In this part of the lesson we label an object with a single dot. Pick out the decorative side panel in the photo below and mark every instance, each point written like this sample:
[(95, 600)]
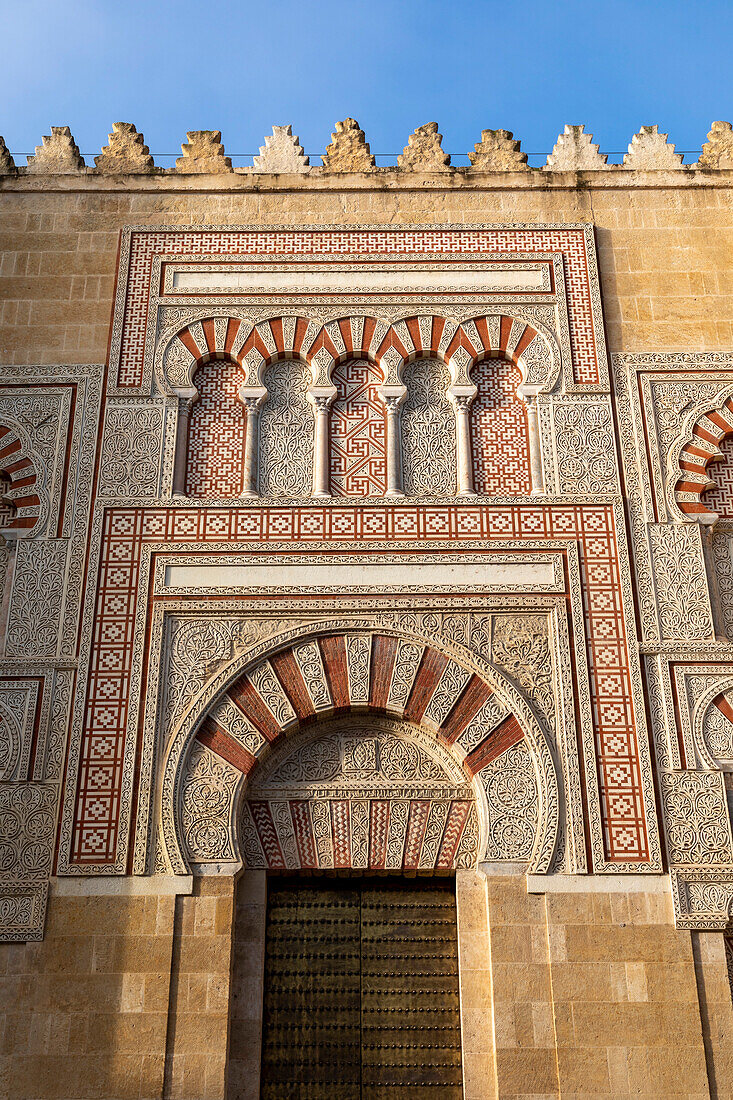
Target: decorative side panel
[(428, 431), (36, 601), (697, 819), (585, 451), (680, 582), (131, 451), (357, 431), (286, 433)]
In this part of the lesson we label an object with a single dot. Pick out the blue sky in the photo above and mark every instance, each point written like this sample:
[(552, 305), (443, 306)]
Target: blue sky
[(527, 66)]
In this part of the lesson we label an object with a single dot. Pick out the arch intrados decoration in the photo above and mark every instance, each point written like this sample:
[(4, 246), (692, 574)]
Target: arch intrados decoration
[(477, 682), (698, 452), (323, 346), (20, 465)]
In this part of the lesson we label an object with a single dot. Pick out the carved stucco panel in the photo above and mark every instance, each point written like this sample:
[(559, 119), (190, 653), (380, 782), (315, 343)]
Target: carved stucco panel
[(680, 582), (585, 452), (34, 619), (511, 796), (697, 819), (131, 451), (286, 433), (428, 431)]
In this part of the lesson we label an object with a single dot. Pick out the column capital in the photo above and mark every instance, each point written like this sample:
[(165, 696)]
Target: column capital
[(528, 392), (462, 397), (321, 397), (392, 396), (252, 397)]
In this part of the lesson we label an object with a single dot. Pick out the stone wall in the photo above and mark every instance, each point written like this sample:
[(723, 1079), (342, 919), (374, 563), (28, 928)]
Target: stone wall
[(664, 245), (575, 987), (86, 1010), (575, 992)]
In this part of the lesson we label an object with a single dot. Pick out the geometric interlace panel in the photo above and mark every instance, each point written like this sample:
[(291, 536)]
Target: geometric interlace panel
[(361, 991)]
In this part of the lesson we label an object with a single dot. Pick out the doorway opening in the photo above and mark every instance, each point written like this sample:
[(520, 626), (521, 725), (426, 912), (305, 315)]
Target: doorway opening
[(361, 993)]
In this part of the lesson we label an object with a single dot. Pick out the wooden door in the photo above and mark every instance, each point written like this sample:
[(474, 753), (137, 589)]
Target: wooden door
[(361, 991)]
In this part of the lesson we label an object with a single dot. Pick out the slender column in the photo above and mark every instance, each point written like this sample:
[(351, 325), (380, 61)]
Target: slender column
[(528, 394), (464, 458), (535, 451), (252, 398), (180, 459), (392, 397), (393, 448), (707, 531), (321, 400)]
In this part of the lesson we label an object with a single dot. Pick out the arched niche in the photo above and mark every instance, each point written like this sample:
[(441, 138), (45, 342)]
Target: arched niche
[(428, 430), (216, 432), (357, 435), (286, 431)]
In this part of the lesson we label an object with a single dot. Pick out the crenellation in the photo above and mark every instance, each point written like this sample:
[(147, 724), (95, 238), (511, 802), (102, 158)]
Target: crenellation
[(498, 151), (126, 153), (574, 151), (424, 150), (717, 152), (349, 150), (7, 164), (203, 152), (282, 152), (650, 150), (59, 154)]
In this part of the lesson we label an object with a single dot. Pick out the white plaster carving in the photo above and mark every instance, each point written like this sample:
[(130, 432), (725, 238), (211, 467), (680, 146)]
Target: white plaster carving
[(511, 796), (428, 431), (286, 433)]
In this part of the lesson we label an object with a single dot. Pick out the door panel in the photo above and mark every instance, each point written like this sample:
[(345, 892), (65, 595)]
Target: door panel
[(311, 1043), (361, 991), (411, 1033)]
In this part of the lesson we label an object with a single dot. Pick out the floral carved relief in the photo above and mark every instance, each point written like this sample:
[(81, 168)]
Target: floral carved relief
[(511, 796), (286, 433), (428, 431)]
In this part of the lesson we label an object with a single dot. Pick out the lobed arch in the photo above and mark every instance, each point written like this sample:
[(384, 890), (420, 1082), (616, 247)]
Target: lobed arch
[(696, 458), (22, 494), (322, 346), (342, 668), (712, 723)]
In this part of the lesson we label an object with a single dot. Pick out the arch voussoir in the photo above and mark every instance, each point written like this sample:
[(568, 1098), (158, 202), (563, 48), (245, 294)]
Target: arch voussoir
[(463, 714)]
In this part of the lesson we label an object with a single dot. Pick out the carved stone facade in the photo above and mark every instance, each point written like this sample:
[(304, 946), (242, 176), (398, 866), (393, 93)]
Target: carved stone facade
[(358, 556)]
